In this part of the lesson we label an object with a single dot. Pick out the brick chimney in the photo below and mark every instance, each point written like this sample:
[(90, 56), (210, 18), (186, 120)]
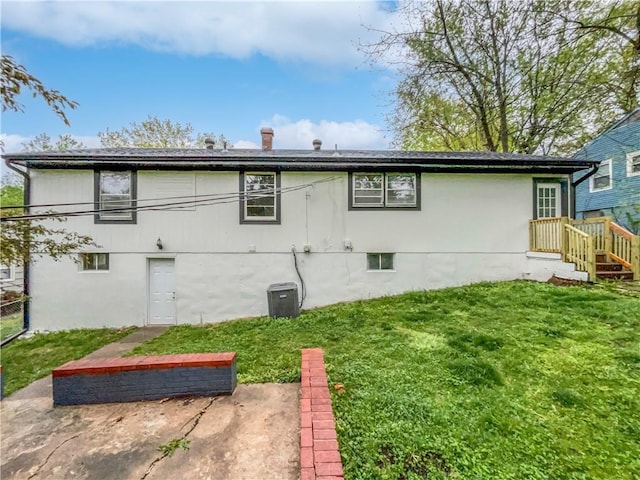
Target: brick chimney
[(267, 138)]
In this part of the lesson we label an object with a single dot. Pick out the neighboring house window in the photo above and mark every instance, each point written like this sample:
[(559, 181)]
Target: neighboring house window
[(384, 190), (602, 178), (633, 164), (115, 196), (379, 261), (6, 273), (94, 261), (592, 214), (260, 197)]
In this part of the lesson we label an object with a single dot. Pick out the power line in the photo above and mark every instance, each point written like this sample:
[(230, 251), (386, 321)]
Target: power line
[(227, 198), (43, 205)]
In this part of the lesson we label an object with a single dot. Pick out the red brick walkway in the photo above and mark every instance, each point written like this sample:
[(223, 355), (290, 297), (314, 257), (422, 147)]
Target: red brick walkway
[(319, 452)]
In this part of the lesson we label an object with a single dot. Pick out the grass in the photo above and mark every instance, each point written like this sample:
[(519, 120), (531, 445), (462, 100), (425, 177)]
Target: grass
[(491, 381), (10, 325), (25, 360)]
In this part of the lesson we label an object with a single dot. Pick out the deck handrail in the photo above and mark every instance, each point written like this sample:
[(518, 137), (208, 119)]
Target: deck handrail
[(625, 249), (599, 228), (608, 238), (579, 248)]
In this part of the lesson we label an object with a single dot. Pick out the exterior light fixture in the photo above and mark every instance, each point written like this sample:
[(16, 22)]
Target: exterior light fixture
[(159, 244)]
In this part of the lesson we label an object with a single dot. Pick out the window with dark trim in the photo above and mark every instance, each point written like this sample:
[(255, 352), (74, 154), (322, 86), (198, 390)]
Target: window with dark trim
[(379, 261), (373, 191), (260, 197), (545, 199), (115, 196), (94, 262)]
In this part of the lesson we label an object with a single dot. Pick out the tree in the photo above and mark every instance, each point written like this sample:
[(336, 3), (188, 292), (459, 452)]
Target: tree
[(22, 240), (618, 24), (43, 142), (156, 133), (11, 194), (495, 75), (15, 78), (25, 240)]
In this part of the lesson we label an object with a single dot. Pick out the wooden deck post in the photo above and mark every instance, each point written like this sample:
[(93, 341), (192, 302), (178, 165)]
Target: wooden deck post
[(564, 237), (606, 232), (591, 258), (635, 256)]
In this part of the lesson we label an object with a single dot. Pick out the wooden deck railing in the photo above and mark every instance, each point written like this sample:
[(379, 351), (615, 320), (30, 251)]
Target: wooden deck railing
[(559, 235), (579, 248), (599, 229), (625, 249), (545, 234)]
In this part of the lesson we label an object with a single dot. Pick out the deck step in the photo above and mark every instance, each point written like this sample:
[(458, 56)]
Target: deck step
[(609, 275), (608, 267)]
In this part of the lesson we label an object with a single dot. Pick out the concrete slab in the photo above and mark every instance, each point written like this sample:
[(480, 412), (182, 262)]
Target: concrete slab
[(253, 434)]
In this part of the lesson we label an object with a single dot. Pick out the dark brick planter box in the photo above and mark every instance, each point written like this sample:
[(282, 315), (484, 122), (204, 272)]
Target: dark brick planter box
[(112, 380)]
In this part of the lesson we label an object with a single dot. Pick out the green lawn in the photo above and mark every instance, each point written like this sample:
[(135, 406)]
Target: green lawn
[(10, 325), (492, 381), (25, 360)]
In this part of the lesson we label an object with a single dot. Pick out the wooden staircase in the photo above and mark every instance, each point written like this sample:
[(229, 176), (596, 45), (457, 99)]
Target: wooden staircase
[(597, 246), (611, 270)]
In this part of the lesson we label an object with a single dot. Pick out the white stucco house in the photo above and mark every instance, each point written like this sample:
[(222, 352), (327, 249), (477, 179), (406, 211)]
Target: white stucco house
[(190, 236)]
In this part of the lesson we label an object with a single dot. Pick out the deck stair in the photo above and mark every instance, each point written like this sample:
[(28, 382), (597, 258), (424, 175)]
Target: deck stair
[(597, 246), (611, 270)]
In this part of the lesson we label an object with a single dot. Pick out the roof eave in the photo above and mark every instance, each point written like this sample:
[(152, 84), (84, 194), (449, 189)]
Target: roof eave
[(500, 166)]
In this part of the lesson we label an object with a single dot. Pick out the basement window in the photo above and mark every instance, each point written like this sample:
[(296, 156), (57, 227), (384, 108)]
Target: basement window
[(602, 178), (94, 262), (384, 190), (379, 261), (260, 197)]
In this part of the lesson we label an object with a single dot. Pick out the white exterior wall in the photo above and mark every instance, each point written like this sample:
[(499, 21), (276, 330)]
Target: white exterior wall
[(470, 228)]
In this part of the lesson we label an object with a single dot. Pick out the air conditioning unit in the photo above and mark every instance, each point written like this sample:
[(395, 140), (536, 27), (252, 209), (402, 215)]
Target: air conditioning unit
[(283, 300)]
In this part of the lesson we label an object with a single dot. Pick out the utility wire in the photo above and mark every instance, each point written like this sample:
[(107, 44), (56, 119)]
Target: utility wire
[(42, 205), (228, 198)]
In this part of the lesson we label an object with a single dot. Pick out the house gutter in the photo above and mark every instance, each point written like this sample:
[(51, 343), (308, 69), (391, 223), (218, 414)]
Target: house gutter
[(26, 197), (586, 176)]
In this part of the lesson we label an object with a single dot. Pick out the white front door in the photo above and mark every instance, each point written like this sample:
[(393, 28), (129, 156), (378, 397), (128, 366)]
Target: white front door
[(548, 196), (162, 291)]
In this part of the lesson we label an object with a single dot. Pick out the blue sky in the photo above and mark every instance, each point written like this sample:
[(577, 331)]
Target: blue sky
[(226, 67)]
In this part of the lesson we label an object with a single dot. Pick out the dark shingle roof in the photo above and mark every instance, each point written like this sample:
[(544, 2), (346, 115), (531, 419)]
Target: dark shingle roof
[(238, 159)]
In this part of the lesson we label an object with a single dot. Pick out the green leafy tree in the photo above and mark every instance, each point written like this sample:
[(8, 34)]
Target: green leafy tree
[(616, 23), (495, 75), (43, 143), (156, 133), (15, 79), (23, 240), (11, 195)]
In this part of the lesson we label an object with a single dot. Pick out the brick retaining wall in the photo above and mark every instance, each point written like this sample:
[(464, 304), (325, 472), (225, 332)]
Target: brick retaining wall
[(131, 379), (319, 451)]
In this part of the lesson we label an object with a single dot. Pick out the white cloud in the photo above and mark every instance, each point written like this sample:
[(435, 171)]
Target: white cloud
[(245, 144), (356, 134), (314, 31), (13, 143)]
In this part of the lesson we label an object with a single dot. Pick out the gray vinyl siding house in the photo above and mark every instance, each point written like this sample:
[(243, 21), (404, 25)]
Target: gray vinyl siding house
[(615, 189)]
